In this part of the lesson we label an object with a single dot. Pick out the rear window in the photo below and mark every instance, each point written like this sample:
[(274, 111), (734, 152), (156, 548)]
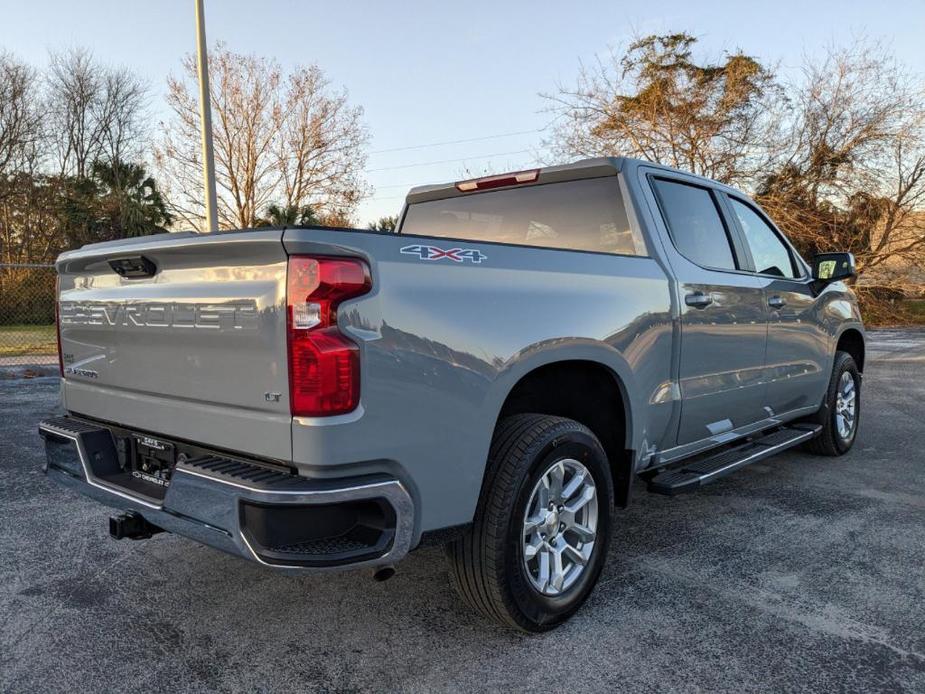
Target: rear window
[(584, 215)]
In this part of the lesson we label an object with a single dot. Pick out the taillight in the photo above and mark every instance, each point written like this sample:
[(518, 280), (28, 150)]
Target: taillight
[(324, 364), (58, 325)]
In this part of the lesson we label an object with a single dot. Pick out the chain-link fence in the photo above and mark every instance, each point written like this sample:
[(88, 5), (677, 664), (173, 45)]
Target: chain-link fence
[(27, 315)]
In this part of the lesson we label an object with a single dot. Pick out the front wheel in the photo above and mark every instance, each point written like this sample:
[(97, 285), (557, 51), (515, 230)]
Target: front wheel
[(542, 527), (841, 411)]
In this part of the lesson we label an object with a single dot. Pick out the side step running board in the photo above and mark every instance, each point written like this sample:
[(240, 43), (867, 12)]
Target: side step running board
[(699, 471)]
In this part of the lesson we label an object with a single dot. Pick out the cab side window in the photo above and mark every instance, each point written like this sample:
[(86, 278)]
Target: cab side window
[(694, 223), (770, 254)]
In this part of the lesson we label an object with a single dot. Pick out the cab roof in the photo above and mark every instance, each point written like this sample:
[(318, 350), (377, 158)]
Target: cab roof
[(584, 168)]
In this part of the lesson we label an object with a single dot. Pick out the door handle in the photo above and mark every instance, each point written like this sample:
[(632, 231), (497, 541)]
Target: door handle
[(698, 300), (777, 302)]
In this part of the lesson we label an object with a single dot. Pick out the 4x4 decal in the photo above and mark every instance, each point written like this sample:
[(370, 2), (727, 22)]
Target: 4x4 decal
[(457, 255)]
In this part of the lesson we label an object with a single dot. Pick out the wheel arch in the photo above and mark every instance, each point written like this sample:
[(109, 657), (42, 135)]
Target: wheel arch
[(593, 387), (851, 340)]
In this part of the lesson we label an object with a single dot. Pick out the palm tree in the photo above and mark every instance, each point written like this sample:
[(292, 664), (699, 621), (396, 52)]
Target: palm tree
[(136, 206), (384, 223), (117, 200), (288, 215)]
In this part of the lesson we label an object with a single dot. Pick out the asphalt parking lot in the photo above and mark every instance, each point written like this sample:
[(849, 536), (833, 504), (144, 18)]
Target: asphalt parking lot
[(801, 573)]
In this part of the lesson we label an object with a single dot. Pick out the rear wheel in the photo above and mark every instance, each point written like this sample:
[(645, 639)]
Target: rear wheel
[(841, 411), (542, 527)]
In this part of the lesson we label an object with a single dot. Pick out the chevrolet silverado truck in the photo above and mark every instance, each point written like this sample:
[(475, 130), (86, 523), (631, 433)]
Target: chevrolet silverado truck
[(492, 376)]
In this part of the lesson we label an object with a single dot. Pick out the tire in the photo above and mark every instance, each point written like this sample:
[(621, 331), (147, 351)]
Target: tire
[(831, 440), (490, 566)]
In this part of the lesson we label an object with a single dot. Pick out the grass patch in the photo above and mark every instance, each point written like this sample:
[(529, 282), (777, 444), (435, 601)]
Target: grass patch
[(28, 340)]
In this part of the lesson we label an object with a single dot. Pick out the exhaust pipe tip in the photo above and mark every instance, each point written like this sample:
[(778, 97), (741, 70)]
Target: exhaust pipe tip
[(383, 573)]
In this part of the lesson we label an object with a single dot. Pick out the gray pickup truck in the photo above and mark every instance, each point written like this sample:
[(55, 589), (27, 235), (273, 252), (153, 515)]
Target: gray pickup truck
[(492, 376)]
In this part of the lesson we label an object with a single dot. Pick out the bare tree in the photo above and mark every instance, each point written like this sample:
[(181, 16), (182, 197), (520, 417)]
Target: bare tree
[(852, 174), (96, 112), (837, 156), (70, 145), (283, 140), (23, 203), (20, 116), (320, 151), (654, 101)]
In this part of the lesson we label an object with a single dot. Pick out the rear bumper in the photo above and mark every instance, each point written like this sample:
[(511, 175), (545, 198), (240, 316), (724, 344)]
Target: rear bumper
[(277, 519)]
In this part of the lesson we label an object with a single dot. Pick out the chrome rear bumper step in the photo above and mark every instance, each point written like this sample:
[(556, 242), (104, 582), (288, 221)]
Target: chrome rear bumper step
[(282, 520), (695, 473)]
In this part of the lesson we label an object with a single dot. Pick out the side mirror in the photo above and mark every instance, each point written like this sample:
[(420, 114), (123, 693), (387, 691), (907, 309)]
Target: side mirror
[(832, 267)]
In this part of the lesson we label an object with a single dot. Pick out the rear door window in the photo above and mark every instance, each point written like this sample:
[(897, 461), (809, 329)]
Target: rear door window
[(584, 215), (694, 223)]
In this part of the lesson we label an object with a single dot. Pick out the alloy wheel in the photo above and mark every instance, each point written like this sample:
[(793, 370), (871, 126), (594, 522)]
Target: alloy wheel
[(846, 406), (560, 527)]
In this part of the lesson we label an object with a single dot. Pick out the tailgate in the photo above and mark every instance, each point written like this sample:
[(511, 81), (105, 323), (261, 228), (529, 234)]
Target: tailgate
[(196, 351)]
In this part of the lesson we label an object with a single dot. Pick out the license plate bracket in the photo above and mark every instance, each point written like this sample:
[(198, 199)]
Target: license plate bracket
[(154, 459)]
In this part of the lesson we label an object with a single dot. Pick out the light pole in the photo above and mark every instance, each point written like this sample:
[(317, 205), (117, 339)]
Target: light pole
[(205, 120)]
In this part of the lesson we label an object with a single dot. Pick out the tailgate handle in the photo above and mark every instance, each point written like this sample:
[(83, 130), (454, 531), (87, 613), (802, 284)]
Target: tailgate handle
[(133, 267)]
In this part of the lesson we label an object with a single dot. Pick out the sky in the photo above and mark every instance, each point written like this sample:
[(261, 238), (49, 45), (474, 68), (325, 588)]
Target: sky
[(439, 72)]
